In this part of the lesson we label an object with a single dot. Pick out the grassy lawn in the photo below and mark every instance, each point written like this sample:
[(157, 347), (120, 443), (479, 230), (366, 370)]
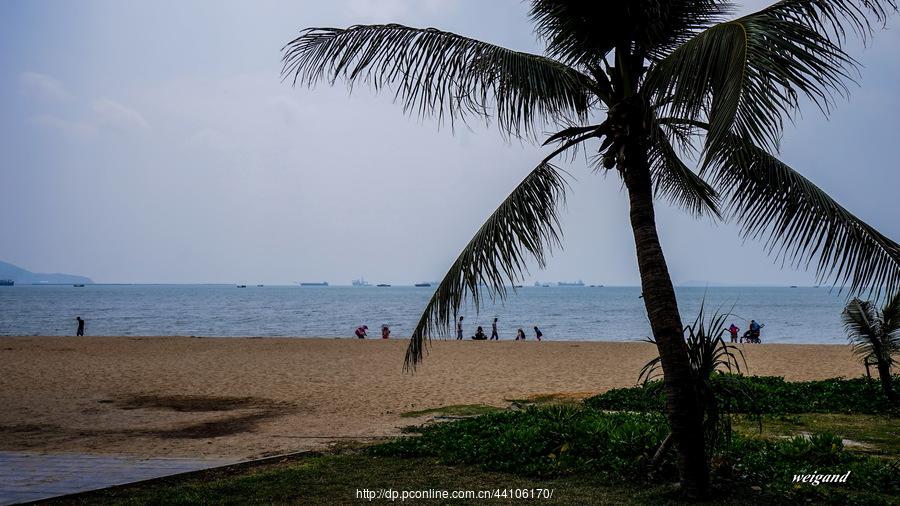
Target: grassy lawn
[(878, 434), (334, 479)]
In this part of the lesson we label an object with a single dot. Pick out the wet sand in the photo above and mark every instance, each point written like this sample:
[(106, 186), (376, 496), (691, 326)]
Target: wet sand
[(246, 397)]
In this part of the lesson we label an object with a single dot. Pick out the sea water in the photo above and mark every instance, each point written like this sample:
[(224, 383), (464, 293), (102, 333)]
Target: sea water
[(790, 315)]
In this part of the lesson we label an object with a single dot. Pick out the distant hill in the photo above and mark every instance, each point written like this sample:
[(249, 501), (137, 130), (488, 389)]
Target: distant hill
[(24, 277)]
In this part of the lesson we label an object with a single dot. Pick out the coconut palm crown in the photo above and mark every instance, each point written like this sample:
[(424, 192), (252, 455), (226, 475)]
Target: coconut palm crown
[(684, 101)]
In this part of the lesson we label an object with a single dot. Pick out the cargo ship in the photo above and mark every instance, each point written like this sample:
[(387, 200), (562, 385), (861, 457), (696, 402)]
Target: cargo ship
[(7, 282), (423, 285), (323, 283)]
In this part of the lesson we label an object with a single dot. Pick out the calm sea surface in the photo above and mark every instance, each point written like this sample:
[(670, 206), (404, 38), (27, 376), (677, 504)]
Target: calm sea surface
[(791, 315)]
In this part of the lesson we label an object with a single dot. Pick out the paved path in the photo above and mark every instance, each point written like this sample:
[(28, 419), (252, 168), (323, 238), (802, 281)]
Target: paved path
[(32, 476)]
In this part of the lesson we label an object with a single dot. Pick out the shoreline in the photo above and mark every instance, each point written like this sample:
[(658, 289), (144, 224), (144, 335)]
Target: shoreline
[(252, 397)]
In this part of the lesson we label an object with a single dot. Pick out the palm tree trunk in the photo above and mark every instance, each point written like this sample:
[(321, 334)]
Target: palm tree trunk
[(884, 373), (683, 405)]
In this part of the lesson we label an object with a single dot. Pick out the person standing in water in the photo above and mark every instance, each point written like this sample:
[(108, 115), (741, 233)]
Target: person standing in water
[(361, 331), (494, 334), (538, 334), (80, 331), (520, 335), (459, 331)]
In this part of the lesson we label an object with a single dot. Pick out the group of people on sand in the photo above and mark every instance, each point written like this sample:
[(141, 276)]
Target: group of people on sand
[(481, 336), (362, 332), (750, 336)]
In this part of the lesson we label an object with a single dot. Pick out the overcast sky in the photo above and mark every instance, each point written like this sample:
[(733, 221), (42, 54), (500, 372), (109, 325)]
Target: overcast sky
[(155, 142)]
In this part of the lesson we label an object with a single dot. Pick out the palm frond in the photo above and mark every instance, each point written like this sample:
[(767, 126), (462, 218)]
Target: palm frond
[(767, 197), (863, 328), (833, 18), (525, 226), (745, 76), (675, 182), (441, 74), (890, 317), (579, 32)]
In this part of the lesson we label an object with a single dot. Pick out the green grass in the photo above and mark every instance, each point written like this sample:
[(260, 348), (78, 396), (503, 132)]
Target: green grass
[(454, 410), (583, 452), (334, 479), (880, 435)]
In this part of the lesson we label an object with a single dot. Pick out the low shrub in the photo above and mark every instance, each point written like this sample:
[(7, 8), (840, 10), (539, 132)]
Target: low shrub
[(542, 441), (764, 395), (557, 440), (773, 464)]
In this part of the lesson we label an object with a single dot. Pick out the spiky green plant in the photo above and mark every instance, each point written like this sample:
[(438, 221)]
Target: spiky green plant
[(709, 353), (666, 78), (875, 334)]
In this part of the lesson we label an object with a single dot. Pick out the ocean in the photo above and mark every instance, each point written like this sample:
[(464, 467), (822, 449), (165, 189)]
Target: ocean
[(790, 315)]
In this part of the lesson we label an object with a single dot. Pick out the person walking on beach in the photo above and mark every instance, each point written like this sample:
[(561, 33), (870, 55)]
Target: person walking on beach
[(494, 334), (361, 331), (80, 331), (538, 334), (459, 332), (520, 335), (733, 330)]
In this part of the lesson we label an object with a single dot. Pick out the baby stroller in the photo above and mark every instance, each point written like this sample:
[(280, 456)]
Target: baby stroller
[(752, 337)]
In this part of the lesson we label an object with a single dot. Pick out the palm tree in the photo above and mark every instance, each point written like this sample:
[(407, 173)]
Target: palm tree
[(671, 80), (875, 334)]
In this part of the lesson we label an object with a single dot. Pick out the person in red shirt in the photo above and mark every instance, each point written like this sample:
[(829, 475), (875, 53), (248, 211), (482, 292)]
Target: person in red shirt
[(361, 331), (733, 330)]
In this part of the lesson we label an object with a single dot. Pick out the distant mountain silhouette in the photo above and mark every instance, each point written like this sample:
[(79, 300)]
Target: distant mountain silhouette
[(22, 276)]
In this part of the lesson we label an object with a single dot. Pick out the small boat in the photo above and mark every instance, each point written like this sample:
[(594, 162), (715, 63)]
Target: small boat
[(793, 286), (260, 286), (7, 282), (517, 286), (323, 283), (423, 285), (79, 285), (383, 285), (242, 286)]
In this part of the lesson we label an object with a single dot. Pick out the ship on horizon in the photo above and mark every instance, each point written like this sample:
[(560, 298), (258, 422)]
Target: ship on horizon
[(314, 283), (360, 282), (565, 283), (7, 282)]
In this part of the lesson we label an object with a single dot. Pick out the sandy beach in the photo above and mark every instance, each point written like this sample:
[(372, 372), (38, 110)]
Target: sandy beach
[(246, 397)]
